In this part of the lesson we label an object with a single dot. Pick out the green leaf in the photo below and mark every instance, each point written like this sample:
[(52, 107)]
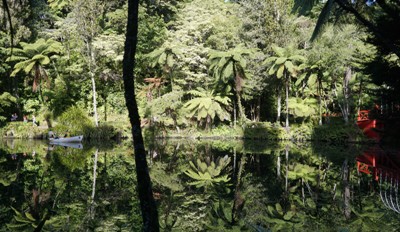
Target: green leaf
[(280, 71), (289, 66), (289, 215), (312, 79), (278, 208), (29, 67), (280, 60), (272, 70)]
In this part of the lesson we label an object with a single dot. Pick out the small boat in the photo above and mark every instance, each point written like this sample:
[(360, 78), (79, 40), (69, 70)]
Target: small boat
[(74, 139)]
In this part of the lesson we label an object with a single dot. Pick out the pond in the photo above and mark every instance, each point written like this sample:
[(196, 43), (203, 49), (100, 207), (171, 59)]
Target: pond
[(200, 185)]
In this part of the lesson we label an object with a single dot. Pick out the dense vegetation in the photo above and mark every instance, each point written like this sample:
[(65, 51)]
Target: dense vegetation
[(200, 64)]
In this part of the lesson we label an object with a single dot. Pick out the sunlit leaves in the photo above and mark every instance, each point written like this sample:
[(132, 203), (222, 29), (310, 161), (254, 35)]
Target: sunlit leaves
[(34, 57), (207, 105)]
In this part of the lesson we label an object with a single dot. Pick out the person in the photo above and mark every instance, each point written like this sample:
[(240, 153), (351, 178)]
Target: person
[(14, 117), (25, 119), (34, 120)]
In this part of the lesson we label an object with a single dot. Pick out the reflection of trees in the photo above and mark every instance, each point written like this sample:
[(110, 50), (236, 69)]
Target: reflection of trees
[(253, 197)]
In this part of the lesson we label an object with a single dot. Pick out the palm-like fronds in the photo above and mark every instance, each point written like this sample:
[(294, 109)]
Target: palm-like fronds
[(31, 58), (229, 66), (207, 105)]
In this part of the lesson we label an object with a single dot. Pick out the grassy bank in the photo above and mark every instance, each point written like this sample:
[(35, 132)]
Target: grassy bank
[(267, 131), (260, 131)]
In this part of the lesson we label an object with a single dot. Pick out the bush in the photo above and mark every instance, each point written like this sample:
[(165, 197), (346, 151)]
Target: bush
[(338, 133), (73, 121), (22, 130)]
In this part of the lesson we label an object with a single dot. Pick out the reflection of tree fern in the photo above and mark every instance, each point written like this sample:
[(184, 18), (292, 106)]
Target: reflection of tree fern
[(25, 221), (205, 175), (220, 218), (279, 219)]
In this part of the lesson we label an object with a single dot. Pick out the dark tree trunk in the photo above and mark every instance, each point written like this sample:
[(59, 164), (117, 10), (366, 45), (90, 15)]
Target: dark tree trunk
[(147, 203)]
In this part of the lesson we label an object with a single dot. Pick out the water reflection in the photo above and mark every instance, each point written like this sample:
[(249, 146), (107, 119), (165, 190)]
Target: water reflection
[(383, 166), (199, 186)]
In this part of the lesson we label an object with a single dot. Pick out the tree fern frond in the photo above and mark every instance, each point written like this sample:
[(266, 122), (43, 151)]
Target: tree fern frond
[(303, 6), (322, 19)]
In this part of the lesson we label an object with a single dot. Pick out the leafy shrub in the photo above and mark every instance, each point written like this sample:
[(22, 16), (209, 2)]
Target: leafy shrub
[(338, 133), (73, 121), (21, 130), (301, 132), (264, 130), (6, 103)]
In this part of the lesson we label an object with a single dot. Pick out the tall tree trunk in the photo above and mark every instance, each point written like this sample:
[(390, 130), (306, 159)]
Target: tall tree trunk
[(234, 115), (239, 102), (287, 102), (346, 189), (279, 106), (91, 70), (147, 203), (346, 95), (94, 184), (96, 120), (287, 167), (105, 109)]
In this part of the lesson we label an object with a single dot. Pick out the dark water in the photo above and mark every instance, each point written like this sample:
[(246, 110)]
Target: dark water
[(200, 186)]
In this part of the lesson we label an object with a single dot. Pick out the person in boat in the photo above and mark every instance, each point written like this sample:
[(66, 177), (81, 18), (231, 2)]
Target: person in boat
[(14, 117), (53, 135)]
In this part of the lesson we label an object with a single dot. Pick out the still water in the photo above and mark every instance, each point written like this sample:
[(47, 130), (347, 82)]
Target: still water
[(200, 185)]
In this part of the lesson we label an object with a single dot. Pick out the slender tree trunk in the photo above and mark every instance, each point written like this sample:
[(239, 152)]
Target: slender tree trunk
[(241, 111), (279, 106), (346, 189), (94, 184), (287, 102), (359, 96), (105, 109), (346, 95), (147, 203), (91, 70), (96, 120), (278, 167), (234, 115), (287, 167)]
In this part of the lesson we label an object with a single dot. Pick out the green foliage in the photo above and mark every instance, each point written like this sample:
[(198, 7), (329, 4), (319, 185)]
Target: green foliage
[(338, 133), (302, 132), (265, 130), (74, 121), (302, 107), (285, 60), (206, 106), (228, 67), (33, 57), (165, 109), (22, 130), (6, 103)]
